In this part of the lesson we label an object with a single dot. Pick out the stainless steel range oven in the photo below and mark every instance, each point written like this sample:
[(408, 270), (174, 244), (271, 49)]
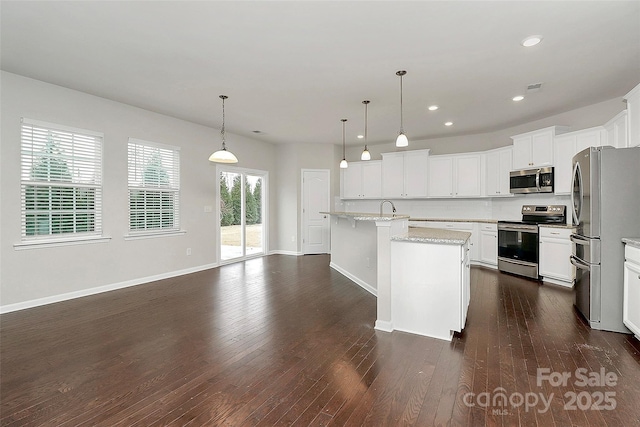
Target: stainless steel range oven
[(518, 240)]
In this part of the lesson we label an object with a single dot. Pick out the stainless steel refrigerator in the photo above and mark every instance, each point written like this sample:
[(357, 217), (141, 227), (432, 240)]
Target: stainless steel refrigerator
[(606, 207)]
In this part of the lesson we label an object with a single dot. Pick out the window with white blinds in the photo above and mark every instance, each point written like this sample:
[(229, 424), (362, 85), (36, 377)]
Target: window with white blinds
[(154, 187), (61, 181)]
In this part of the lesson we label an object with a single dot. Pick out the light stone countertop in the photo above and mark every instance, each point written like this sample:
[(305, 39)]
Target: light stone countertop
[(433, 235), (573, 227), (361, 216), (632, 241), (488, 221)]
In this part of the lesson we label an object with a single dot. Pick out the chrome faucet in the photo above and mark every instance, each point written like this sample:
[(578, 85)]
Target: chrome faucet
[(393, 207)]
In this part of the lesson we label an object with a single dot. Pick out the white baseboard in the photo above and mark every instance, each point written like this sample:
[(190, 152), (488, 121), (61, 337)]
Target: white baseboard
[(484, 264), (383, 325), (279, 252), (558, 282), (364, 285), (100, 289)]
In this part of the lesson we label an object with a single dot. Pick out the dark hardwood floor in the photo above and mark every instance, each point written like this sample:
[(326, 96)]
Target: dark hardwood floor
[(286, 340)]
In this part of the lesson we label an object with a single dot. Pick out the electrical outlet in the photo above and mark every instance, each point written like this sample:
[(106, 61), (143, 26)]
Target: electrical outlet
[(188, 251), (368, 262), (208, 208), (293, 238)]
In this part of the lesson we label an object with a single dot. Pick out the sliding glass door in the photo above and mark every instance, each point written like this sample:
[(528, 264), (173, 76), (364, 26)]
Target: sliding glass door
[(241, 213)]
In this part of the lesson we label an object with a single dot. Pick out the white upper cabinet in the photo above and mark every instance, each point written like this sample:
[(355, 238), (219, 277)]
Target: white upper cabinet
[(568, 145), (441, 176), (616, 129), (362, 180), (633, 116), (404, 174), (455, 175), (372, 179), (535, 149), (498, 166)]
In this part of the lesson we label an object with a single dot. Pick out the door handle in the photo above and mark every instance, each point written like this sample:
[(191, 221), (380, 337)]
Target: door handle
[(579, 263), (579, 240)]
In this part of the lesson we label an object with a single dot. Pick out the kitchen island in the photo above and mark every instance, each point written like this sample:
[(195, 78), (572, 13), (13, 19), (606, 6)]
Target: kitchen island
[(419, 276), (430, 282)]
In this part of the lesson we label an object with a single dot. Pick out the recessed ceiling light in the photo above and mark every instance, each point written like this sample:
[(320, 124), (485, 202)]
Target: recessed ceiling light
[(448, 123), (360, 136), (518, 98), (433, 108), (531, 41)]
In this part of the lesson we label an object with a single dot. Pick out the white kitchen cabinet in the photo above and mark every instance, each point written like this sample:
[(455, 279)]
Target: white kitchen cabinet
[(431, 288), (362, 180), (455, 175), (441, 176), (535, 149), (616, 130), (498, 166), (555, 250), (631, 299), (404, 174), (568, 145), (633, 116), (489, 244)]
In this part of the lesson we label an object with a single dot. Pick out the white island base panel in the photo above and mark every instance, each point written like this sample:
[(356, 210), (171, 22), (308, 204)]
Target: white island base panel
[(430, 288)]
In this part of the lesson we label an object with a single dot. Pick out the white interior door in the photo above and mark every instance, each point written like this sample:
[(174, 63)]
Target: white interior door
[(315, 199)]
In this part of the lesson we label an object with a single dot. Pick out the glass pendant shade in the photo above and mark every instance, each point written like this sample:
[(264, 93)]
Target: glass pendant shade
[(223, 155), (344, 164), (365, 154), (401, 140)]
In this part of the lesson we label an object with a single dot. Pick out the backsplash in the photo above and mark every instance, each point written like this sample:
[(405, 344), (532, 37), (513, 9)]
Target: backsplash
[(508, 208)]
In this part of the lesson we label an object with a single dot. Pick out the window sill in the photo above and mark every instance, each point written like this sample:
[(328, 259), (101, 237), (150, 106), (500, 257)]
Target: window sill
[(52, 243), (154, 234)]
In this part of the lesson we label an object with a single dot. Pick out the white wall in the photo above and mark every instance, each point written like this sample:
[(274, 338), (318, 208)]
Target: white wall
[(33, 274)]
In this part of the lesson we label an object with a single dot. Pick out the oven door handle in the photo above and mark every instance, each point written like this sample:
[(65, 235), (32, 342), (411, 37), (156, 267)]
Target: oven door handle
[(518, 228), (579, 240), (579, 263)]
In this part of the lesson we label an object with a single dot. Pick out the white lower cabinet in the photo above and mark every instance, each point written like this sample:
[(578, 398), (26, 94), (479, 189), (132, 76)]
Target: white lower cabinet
[(489, 244), (555, 250), (631, 300)]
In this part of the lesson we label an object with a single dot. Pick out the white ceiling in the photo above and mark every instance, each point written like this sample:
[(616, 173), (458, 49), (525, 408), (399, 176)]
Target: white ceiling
[(293, 69)]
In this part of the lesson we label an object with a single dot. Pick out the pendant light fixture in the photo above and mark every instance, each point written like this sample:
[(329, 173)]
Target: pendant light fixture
[(401, 140), (223, 156), (365, 153), (343, 163)]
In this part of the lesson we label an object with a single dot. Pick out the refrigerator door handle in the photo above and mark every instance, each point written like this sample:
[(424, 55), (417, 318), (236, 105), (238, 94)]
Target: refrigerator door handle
[(579, 263), (579, 240)]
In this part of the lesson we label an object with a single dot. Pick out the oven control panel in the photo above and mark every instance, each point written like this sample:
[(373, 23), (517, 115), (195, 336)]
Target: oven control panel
[(550, 210)]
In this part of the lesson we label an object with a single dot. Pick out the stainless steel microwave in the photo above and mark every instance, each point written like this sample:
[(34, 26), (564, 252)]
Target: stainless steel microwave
[(538, 180)]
